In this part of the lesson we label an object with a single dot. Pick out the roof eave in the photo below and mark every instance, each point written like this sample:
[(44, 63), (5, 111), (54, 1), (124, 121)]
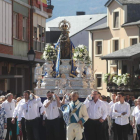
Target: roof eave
[(114, 58), (109, 2), (97, 29), (130, 25)]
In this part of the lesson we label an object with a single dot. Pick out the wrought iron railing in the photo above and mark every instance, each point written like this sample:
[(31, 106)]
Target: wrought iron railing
[(48, 2)]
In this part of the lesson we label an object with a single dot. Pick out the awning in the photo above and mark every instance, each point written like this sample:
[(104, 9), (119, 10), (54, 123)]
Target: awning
[(10, 76), (127, 53)]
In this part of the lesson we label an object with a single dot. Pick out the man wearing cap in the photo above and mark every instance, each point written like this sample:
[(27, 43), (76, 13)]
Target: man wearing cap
[(51, 116), (77, 117), (29, 108), (9, 106)]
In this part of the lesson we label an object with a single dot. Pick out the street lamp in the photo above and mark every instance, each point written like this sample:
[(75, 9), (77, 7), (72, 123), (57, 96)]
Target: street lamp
[(31, 58)]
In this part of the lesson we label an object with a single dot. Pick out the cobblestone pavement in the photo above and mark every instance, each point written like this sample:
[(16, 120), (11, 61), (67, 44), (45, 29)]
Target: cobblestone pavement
[(130, 137)]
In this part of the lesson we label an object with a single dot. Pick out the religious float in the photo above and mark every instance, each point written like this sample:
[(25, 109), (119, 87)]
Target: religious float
[(66, 67)]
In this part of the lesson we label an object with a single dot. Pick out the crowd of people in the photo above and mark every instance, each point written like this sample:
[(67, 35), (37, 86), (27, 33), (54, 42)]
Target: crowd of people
[(27, 118)]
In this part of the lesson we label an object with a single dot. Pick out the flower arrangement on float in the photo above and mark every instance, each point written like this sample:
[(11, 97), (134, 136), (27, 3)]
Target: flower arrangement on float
[(49, 53), (81, 54)]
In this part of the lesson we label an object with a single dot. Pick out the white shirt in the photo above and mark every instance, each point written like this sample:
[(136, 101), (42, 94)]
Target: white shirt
[(131, 111), (51, 112), (136, 114), (15, 113), (9, 108), (111, 103), (111, 111), (96, 110), (30, 109), (39, 105), (108, 107), (121, 108)]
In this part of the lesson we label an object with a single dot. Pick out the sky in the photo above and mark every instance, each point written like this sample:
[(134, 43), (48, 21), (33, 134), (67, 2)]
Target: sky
[(70, 7)]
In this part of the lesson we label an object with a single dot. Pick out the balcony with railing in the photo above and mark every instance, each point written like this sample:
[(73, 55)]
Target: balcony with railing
[(49, 8), (49, 3), (119, 64)]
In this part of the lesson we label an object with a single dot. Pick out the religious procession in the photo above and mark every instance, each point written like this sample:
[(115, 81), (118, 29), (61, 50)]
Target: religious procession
[(69, 70), (97, 118)]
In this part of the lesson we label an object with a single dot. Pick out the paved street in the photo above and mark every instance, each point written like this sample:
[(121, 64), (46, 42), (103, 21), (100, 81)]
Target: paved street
[(130, 138)]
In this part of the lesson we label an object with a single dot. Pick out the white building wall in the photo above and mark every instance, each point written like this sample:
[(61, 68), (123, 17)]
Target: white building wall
[(6, 22)]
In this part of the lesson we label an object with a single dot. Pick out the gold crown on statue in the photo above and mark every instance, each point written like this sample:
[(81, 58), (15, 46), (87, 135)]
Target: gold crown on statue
[(64, 25)]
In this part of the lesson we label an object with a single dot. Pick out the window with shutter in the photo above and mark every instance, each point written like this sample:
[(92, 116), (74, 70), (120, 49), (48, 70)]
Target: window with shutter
[(15, 25), (24, 28)]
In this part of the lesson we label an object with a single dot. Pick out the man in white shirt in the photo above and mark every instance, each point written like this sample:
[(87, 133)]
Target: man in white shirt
[(136, 117), (132, 119), (52, 121), (107, 122), (29, 108), (121, 113), (9, 106), (113, 119), (15, 113), (40, 112), (113, 99), (97, 113)]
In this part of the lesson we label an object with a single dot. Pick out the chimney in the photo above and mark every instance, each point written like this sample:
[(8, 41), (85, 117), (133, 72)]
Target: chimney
[(80, 13)]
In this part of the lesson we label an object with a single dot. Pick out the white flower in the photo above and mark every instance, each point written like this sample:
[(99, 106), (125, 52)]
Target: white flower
[(85, 51), (80, 54), (46, 48), (81, 46), (52, 47), (75, 54)]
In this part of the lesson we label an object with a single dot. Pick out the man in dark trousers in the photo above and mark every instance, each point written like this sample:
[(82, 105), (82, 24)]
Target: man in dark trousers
[(97, 113), (9, 106), (51, 115), (30, 113), (121, 112)]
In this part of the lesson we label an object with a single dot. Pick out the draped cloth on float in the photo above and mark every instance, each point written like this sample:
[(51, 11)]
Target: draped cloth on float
[(57, 63)]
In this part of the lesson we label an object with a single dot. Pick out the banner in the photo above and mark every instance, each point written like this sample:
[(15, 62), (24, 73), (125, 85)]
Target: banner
[(44, 2)]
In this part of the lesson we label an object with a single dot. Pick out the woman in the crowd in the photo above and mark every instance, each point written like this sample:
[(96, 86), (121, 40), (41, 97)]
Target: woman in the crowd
[(3, 122), (19, 133)]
